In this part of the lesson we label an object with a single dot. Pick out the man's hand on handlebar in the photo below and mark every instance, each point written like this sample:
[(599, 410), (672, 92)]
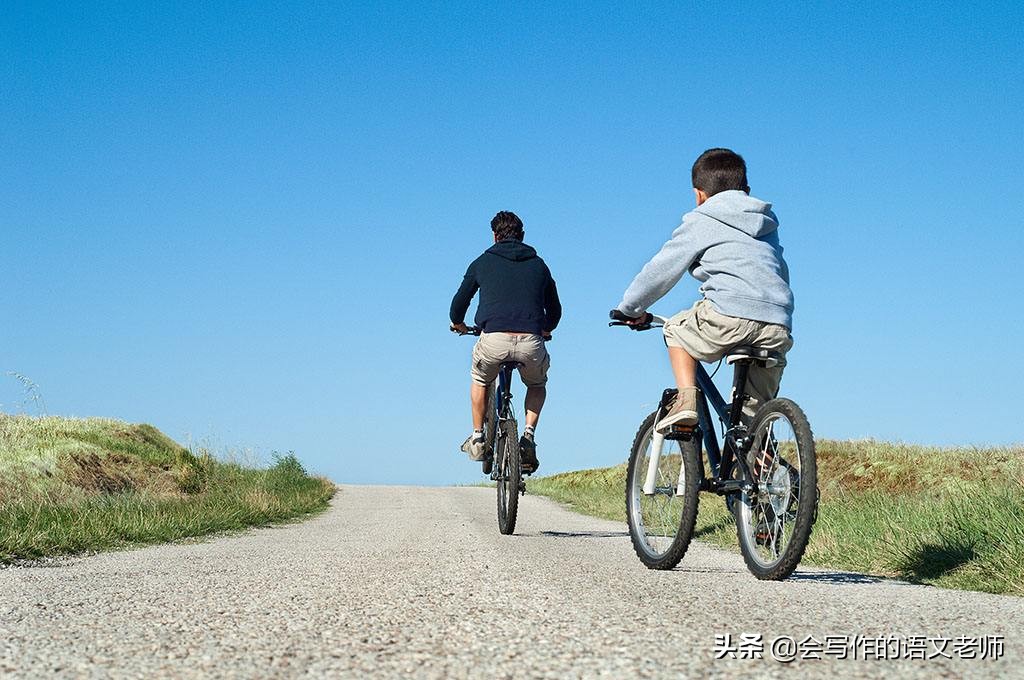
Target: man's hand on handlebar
[(460, 328)]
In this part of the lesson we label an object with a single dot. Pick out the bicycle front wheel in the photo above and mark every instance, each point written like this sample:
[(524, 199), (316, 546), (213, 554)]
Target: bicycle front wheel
[(774, 519), (662, 487), (510, 475)]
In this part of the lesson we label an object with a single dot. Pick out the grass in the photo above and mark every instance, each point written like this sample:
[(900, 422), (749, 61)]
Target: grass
[(79, 485), (950, 517)]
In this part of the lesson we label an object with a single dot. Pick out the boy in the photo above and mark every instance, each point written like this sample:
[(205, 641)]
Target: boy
[(517, 311), (730, 243)]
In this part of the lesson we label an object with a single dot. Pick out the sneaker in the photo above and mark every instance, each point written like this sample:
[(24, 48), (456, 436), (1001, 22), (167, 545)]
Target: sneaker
[(476, 448), (528, 454), (683, 411)]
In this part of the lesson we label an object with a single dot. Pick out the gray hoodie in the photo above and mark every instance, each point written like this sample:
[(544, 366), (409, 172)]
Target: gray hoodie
[(731, 244)]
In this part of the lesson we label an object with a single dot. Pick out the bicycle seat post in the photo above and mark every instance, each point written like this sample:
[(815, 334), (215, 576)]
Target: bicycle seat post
[(739, 391), (505, 378)]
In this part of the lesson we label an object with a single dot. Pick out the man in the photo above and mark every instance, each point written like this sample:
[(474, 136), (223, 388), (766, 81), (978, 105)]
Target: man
[(517, 311)]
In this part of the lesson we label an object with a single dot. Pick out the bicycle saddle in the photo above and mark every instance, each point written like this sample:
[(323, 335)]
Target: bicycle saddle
[(765, 357)]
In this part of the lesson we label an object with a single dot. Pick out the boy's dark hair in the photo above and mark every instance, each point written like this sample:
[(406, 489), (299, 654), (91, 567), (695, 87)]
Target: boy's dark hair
[(718, 170), (506, 225)]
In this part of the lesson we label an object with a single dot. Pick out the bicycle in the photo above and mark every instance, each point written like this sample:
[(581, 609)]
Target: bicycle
[(502, 461), (767, 473)]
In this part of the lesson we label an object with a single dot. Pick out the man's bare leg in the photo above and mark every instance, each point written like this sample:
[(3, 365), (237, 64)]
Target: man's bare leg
[(535, 397), (478, 402)]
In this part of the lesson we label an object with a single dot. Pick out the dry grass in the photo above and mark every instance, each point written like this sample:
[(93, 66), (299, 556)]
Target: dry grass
[(71, 485)]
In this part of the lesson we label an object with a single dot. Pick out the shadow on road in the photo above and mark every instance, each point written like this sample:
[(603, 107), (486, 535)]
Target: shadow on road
[(838, 578), (842, 578), (585, 534)]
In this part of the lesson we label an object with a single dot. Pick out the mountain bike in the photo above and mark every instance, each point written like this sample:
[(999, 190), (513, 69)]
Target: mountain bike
[(767, 473), (502, 461)]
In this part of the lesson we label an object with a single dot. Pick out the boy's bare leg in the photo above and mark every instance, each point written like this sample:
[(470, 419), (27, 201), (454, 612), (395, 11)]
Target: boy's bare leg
[(478, 401), (535, 397), (683, 366)]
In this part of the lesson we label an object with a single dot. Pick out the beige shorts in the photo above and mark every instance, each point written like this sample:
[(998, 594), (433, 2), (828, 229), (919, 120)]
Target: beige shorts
[(707, 335), (493, 349)]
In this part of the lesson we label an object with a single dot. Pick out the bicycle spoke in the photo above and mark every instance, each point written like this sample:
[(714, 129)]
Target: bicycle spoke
[(776, 536)]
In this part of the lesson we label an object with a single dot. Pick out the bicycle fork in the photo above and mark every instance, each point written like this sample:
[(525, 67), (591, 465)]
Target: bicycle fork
[(651, 480), (650, 486)]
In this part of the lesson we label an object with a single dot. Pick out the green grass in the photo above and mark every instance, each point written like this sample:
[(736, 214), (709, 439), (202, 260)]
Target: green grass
[(947, 517), (78, 485)]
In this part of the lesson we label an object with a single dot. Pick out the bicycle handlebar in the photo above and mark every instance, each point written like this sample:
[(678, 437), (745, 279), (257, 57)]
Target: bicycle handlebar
[(474, 330), (620, 319)]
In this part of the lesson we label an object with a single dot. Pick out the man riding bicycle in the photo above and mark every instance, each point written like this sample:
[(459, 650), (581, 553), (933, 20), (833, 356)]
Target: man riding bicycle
[(517, 311)]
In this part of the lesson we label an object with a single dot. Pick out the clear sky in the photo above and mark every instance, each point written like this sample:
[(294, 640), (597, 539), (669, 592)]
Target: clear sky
[(245, 225)]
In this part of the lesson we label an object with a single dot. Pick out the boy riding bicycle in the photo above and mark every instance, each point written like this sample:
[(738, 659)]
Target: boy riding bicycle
[(517, 311), (730, 243)]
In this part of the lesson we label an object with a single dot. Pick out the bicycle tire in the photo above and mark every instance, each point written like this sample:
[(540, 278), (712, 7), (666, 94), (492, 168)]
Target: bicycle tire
[(667, 550), (487, 464), (510, 474), (756, 517)]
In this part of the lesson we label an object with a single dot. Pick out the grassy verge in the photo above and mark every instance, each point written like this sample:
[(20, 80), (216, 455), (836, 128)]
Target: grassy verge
[(77, 485), (948, 517)]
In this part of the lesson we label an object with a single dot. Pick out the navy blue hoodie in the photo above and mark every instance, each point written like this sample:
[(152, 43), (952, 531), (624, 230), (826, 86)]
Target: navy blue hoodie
[(517, 293)]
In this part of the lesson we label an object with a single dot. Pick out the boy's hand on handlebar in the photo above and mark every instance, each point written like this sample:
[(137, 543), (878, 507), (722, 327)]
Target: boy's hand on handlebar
[(643, 320), (459, 328), (637, 323)]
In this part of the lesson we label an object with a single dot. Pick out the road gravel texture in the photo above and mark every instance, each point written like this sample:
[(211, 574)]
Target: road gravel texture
[(417, 582)]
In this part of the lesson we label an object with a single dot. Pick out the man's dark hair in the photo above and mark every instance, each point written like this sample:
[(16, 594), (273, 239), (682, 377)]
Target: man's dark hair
[(719, 170), (506, 225)]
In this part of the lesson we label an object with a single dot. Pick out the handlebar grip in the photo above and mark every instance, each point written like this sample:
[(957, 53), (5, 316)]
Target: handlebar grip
[(640, 327), (619, 316)]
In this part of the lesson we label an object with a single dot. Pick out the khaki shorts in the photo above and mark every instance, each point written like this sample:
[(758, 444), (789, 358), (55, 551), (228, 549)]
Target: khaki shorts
[(707, 335), (493, 349)]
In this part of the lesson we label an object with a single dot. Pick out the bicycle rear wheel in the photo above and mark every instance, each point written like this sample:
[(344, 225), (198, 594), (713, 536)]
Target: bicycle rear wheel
[(774, 521), (510, 475), (661, 519)]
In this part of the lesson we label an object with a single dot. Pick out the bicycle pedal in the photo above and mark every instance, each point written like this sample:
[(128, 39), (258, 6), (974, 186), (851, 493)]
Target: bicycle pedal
[(684, 432)]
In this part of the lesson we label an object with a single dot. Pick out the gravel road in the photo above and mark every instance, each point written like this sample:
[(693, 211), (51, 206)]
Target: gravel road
[(418, 582)]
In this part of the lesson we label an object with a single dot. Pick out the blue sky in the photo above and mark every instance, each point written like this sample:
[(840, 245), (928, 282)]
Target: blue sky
[(245, 224)]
